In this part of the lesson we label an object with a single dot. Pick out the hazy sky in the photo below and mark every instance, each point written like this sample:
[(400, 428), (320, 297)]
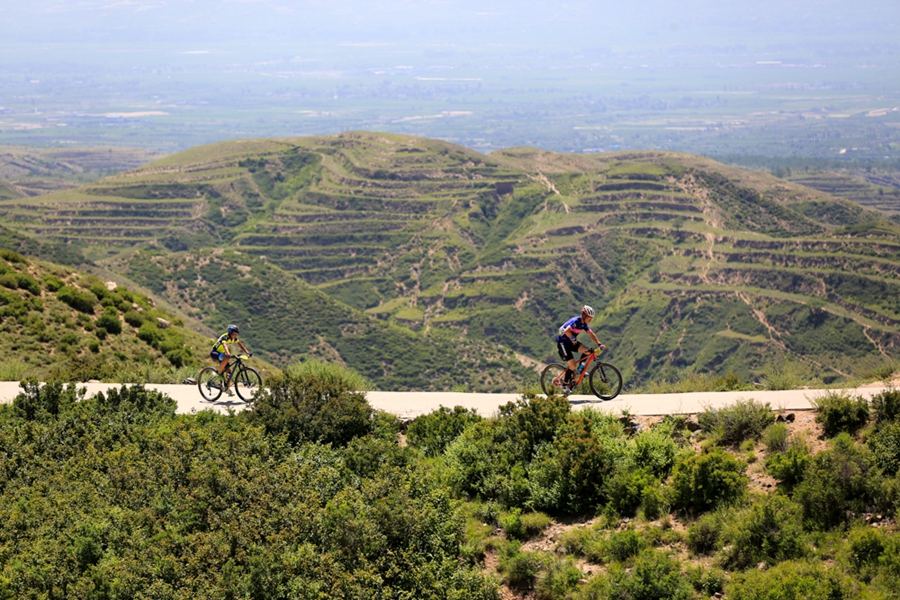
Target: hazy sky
[(616, 25)]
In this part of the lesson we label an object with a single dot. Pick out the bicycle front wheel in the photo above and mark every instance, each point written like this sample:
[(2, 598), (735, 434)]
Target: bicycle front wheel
[(552, 379), (210, 384), (248, 384), (606, 381)]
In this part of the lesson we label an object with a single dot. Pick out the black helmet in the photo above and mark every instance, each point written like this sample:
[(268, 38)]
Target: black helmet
[(234, 328)]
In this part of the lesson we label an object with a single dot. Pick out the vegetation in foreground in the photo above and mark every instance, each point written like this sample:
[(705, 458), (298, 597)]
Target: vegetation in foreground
[(313, 495)]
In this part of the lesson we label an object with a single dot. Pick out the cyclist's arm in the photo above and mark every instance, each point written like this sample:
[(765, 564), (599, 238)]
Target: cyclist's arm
[(244, 348), (593, 336)]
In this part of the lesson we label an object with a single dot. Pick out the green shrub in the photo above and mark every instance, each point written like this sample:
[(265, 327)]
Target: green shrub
[(770, 532), (311, 409), (653, 502), (840, 412), (38, 402), (885, 447), (775, 438), (790, 466), (432, 433), (12, 257), (519, 568), (558, 580), (28, 283), (703, 482), (625, 489), (886, 406), (109, 321), (149, 332), (9, 280), (51, 283), (704, 535), (791, 580), (80, 301), (343, 376), (654, 576), (134, 318), (838, 482), (866, 547), (623, 545), (731, 425), (94, 346), (523, 526), (656, 449), (568, 475), (14, 370), (707, 582), (785, 377)]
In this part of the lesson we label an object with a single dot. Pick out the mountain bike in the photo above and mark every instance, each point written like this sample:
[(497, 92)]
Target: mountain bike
[(605, 379), (247, 380)]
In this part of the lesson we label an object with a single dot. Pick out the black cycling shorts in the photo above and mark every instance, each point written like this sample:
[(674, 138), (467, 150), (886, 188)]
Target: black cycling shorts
[(567, 348)]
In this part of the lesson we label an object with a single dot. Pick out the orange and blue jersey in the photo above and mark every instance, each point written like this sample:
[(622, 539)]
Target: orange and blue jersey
[(576, 325)]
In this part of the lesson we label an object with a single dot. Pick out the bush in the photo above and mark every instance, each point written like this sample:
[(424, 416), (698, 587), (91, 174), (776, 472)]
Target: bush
[(731, 425), (655, 576), (568, 475), (109, 321), (789, 467), (775, 438), (703, 482), (866, 547), (38, 402), (523, 527), (886, 406), (625, 489), (80, 301), (342, 375), (885, 447), (13, 257), (51, 283), (791, 580), (770, 532), (840, 412), (704, 535), (838, 482), (432, 433), (29, 283), (558, 580), (623, 545), (519, 569), (9, 280), (656, 449), (134, 318), (311, 409), (707, 582)]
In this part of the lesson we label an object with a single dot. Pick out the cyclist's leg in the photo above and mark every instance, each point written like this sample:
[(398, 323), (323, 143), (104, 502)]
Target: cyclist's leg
[(565, 353)]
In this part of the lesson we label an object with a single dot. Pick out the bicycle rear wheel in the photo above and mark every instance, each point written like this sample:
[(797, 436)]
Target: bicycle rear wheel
[(248, 383), (552, 379), (210, 384), (606, 381)]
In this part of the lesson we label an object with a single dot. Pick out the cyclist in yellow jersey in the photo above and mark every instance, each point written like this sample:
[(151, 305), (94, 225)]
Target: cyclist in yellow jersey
[(220, 351)]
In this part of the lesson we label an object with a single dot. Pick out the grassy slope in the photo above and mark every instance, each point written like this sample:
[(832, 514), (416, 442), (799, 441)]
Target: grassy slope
[(694, 264), (46, 337)]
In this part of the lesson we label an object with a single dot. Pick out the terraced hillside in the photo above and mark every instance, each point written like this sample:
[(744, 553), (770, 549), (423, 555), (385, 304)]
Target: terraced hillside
[(694, 265), (876, 191)]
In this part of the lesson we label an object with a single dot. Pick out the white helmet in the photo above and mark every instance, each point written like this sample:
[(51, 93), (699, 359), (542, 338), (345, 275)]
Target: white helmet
[(587, 311)]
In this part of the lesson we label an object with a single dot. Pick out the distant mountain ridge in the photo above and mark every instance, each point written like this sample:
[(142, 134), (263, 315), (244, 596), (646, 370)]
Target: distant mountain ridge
[(395, 243)]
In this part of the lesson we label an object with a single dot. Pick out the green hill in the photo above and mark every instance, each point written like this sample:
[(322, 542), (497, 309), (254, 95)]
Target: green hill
[(61, 324), (383, 250)]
